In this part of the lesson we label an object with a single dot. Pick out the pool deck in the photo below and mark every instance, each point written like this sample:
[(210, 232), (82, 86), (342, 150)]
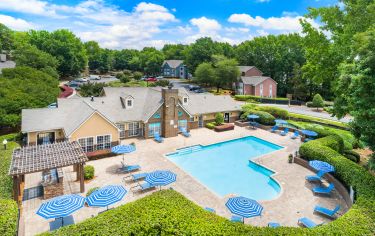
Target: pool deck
[(295, 200)]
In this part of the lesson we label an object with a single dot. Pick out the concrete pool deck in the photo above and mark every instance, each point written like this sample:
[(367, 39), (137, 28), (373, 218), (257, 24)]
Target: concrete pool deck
[(295, 200)]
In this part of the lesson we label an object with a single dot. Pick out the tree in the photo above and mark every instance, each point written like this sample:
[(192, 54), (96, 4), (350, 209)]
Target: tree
[(123, 77), (226, 71), (219, 118), (122, 59), (6, 38), (174, 51), (205, 74), (137, 75), (151, 60), (65, 46), (91, 89), (318, 101), (299, 84)]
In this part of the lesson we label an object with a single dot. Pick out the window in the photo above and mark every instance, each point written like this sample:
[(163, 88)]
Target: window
[(180, 113), (134, 129), (270, 93), (154, 128), (87, 144), (261, 90), (122, 130), (185, 101), (182, 124), (103, 142), (46, 138), (129, 103)]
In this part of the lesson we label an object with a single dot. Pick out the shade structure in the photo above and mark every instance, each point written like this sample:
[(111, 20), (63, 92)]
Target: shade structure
[(123, 149), (106, 196), (244, 207), (321, 166), (252, 116), (161, 178), (309, 133), (61, 206), (281, 122)]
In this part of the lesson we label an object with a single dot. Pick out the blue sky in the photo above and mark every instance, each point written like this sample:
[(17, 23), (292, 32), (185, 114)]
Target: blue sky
[(120, 24)]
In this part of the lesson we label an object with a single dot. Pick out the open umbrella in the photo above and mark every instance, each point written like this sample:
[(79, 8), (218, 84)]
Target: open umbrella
[(309, 133), (281, 122), (160, 178), (253, 117), (321, 166), (123, 149), (60, 207), (244, 207), (106, 196)]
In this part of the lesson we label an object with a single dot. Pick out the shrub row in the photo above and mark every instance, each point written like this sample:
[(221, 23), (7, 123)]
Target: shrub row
[(360, 219), (265, 118), (335, 124), (275, 111), (256, 98)]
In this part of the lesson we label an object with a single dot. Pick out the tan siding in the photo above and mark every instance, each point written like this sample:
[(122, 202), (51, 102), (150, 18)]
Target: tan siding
[(32, 136)]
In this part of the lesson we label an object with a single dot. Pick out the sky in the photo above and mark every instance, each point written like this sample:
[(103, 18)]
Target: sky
[(118, 24)]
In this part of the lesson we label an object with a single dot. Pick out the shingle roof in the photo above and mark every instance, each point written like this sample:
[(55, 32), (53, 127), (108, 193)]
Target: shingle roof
[(209, 103), (173, 63), (245, 68), (253, 80)]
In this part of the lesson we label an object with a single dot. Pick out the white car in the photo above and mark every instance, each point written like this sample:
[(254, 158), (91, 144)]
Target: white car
[(95, 77), (159, 77), (81, 80)]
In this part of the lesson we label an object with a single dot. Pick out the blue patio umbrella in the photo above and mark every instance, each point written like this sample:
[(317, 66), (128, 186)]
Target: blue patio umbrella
[(106, 196), (244, 207), (252, 116), (160, 178), (309, 133), (123, 149), (321, 166), (60, 207), (281, 122)]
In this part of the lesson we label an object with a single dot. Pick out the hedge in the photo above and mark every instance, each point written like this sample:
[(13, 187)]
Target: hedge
[(336, 124), (360, 219), (256, 98), (265, 118), (275, 111), (210, 125), (8, 217)]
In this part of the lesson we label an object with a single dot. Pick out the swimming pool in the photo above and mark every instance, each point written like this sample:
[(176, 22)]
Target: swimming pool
[(225, 167)]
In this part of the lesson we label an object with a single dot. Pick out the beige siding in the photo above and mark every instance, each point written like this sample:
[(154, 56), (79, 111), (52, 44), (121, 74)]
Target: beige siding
[(32, 136), (96, 125)]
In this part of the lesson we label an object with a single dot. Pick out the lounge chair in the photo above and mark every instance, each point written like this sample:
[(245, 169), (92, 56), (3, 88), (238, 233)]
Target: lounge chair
[(274, 129), (273, 225), (142, 187), (295, 135), (129, 168), (236, 219), (158, 138), (324, 190), (307, 222), (254, 124), (210, 209), (308, 139), (317, 177), (184, 132), (327, 212), (284, 132), (135, 177)]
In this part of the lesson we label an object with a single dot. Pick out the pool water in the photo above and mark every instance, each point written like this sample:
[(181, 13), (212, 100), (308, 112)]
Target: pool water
[(225, 167)]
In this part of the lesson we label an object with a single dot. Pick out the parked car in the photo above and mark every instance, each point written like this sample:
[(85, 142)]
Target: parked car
[(200, 90), (95, 77), (194, 87), (159, 77), (81, 80), (52, 105), (73, 84), (151, 79)]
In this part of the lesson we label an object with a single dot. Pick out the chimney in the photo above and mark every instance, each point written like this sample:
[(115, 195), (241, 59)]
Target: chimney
[(170, 112)]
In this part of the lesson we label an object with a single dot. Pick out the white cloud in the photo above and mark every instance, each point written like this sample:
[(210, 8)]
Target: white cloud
[(34, 7), (206, 26), (16, 23)]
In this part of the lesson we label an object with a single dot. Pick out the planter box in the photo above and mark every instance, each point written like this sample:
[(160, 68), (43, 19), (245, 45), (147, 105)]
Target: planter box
[(241, 123), (224, 127)]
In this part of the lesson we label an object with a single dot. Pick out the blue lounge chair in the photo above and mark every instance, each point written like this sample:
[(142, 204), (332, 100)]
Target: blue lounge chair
[(295, 134), (325, 211), (236, 219), (274, 129), (308, 139), (273, 225), (210, 209), (324, 190), (135, 177), (317, 177), (158, 138), (142, 187), (284, 132), (184, 132), (254, 124), (129, 168), (307, 222)]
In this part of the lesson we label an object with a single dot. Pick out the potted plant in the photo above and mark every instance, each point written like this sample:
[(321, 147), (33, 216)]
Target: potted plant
[(290, 158)]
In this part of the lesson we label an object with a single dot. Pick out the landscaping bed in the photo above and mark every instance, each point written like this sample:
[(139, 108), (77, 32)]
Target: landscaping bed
[(224, 127)]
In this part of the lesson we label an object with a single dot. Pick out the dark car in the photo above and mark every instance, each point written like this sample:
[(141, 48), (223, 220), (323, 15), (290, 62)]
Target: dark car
[(194, 87), (73, 84), (200, 90)]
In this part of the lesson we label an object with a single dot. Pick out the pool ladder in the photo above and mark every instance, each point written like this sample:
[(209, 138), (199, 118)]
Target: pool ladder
[(190, 149)]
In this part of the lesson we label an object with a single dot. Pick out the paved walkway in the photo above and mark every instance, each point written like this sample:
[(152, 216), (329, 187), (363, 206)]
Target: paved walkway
[(295, 200)]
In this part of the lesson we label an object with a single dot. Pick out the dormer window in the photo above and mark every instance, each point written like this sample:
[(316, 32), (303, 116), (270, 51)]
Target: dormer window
[(185, 100), (129, 103)]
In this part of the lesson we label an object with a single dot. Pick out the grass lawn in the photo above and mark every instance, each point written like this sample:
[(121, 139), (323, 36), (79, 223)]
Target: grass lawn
[(5, 158), (132, 83)]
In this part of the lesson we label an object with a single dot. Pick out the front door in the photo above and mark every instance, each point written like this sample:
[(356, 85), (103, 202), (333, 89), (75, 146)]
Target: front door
[(226, 117), (200, 121)]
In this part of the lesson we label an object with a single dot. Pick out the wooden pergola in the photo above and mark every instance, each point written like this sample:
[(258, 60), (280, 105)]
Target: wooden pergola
[(31, 159)]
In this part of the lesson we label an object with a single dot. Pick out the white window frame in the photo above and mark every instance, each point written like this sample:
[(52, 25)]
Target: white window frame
[(261, 90), (185, 102), (104, 143), (122, 130), (270, 92), (136, 132), (85, 146), (151, 132), (131, 103)]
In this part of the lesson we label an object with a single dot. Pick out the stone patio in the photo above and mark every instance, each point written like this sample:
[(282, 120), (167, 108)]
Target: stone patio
[(294, 201)]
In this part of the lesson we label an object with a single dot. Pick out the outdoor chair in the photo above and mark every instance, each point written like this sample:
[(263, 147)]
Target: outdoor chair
[(158, 138), (325, 211), (295, 135), (135, 177), (273, 225), (184, 132), (254, 124), (274, 129), (317, 177), (210, 209), (284, 132), (307, 222), (308, 139), (129, 168), (142, 187), (324, 190)]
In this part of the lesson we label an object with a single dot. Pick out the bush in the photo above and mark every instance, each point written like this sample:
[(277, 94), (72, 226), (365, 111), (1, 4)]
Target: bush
[(91, 89), (351, 157), (318, 101), (309, 104), (91, 190), (89, 172), (219, 118), (123, 77), (311, 119), (265, 118), (137, 75), (161, 83), (275, 111), (8, 217), (210, 125), (354, 154)]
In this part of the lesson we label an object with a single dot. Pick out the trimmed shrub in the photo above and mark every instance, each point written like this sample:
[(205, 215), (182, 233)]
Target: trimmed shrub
[(275, 111), (89, 172), (309, 104), (219, 118), (351, 157), (210, 125), (265, 118), (352, 154), (8, 217), (318, 101), (91, 190)]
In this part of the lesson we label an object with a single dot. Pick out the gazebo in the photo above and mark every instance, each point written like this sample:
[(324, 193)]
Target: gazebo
[(38, 158)]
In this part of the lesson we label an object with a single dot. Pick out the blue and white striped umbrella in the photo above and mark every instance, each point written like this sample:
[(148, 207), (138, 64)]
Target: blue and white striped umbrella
[(122, 149), (252, 116), (321, 166), (106, 196), (244, 207), (160, 178), (61, 206), (281, 122), (309, 133)]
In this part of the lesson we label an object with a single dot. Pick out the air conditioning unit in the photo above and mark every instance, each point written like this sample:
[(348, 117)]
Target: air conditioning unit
[(3, 57)]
